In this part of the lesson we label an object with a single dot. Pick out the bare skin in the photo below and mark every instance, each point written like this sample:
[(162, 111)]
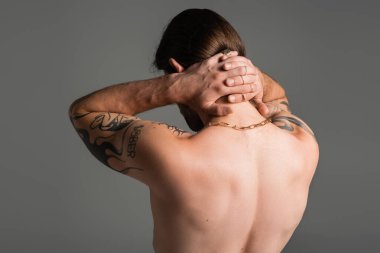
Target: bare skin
[(219, 190)]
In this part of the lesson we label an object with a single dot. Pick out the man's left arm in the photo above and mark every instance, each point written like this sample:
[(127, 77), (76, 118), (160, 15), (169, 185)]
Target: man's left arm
[(105, 121)]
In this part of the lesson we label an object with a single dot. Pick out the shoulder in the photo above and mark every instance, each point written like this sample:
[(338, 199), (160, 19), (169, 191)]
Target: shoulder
[(158, 137), (304, 153), (158, 143), (302, 141), (165, 129), (298, 131), (155, 140)]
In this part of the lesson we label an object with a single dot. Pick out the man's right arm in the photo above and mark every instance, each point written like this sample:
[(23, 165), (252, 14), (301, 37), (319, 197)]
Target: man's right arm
[(283, 118), (271, 88), (275, 99), (270, 99)]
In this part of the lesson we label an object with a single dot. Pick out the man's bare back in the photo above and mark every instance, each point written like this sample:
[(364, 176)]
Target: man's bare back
[(236, 191), (220, 190)]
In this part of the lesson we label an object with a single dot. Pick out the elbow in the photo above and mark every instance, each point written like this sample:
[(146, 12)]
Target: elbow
[(76, 107)]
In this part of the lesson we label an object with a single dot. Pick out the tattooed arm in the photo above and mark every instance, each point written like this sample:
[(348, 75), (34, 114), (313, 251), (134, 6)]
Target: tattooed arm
[(279, 111), (278, 108), (126, 143), (105, 119), (271, 88)]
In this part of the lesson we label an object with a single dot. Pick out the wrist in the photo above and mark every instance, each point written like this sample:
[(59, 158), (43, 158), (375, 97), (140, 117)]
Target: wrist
[(176, 92), (272, 90)]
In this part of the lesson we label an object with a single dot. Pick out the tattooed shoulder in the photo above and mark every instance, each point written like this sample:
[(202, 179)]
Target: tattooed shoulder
[(288, 123), (175, 130)]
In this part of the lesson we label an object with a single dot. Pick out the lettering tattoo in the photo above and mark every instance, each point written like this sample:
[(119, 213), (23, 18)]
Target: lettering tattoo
[(97, 133), (133, 141), (174, 129)]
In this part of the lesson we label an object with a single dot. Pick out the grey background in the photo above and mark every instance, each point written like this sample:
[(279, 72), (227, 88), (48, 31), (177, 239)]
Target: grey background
[(55, 197)]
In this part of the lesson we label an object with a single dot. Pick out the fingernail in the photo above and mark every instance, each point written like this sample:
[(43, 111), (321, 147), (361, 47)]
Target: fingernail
[(232, 98), (230, 81), (227, 65)]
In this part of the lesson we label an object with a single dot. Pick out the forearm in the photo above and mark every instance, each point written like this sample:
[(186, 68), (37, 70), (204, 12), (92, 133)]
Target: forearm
[(131, 97), (274, 96), (272, 89)]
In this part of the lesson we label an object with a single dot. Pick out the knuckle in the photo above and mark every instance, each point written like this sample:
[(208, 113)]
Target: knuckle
[(229, 65), (237, 99), (219, 88), (214, 75), (235, 80)]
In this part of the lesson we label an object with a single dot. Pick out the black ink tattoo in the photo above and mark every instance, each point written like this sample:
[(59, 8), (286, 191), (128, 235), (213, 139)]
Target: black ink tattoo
[(286, 120), (126, 170), (73, 118), (283, 120), (174, 129), (286, 104), (131, 152), (102, 146), (114, 124)]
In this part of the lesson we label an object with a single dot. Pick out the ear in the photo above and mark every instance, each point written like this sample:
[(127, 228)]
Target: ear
[(178, 67)]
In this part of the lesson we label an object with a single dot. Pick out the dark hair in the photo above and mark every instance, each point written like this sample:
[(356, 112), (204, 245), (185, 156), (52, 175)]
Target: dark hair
[(193, 36)]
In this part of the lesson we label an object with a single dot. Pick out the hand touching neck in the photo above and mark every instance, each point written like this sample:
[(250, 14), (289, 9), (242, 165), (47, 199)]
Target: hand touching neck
[(243, 114)]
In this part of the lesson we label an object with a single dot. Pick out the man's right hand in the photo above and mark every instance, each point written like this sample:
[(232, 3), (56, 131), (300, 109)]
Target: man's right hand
[(203, 83)]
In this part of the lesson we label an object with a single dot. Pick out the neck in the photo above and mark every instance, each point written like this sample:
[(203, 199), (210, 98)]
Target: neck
[(243, 114)]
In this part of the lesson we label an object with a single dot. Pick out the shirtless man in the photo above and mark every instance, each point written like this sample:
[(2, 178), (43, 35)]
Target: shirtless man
[(220, 190)]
